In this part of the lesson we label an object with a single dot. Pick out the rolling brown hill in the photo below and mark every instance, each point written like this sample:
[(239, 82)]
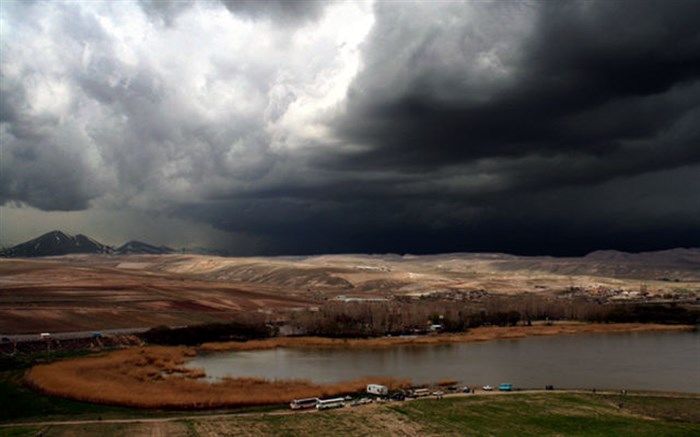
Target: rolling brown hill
[(100, 291)]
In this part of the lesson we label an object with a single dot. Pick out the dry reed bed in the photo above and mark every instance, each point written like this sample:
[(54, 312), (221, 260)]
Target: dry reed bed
[(475, 334), (155, 377)]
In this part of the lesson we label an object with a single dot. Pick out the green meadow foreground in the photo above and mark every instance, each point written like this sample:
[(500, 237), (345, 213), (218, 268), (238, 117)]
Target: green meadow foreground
[(510, 414)]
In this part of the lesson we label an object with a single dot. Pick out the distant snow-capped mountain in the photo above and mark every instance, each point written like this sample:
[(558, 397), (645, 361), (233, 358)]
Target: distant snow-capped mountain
[(56, 243)]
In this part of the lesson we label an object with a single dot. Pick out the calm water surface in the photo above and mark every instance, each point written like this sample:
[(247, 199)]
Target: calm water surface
[(652, 361)]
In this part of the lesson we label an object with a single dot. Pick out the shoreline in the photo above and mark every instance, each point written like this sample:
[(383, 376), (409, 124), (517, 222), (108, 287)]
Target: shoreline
[(478, 334), (153, 377)]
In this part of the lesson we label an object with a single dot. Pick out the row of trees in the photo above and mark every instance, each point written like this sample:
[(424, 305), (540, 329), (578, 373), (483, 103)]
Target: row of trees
[(372, 319), (246, 327), (369, 319), (667, 314)]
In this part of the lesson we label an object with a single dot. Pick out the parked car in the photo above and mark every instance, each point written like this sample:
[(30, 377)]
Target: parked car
[(398, 396), (505, 387), (487, 388)]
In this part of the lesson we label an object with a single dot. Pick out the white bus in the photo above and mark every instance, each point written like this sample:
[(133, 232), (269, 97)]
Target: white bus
[(324, 404), (301, 404), (376, 389), (420, 392)]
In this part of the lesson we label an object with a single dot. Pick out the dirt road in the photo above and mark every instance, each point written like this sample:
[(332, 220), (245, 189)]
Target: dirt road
[(220, 416)]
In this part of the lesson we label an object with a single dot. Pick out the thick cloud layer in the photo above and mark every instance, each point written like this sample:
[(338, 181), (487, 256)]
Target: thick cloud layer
[(545, 127), (584, 78)]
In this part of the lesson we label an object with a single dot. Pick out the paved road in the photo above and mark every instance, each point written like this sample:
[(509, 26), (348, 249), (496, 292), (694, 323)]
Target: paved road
[(73, 335)]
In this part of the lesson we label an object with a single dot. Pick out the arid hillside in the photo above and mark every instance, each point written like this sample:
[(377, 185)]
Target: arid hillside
[(85, 292), (433, 273)]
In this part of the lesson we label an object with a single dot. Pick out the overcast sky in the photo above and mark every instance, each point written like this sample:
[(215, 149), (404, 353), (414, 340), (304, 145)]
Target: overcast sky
[(284, 127)]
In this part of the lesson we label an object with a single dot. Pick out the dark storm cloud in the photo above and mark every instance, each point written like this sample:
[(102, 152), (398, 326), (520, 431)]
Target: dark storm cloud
[(543, 127), (587, 95), (648, 212), (587, 78)]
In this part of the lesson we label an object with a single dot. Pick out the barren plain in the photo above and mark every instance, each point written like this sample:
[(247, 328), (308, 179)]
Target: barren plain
[(91, 292)]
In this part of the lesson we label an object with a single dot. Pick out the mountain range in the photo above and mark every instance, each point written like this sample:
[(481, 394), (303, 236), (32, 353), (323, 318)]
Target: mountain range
[(139, 247), (56, 243)]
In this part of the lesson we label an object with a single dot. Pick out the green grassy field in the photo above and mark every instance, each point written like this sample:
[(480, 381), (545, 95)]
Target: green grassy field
[(19, 403), (516, 414), (563, 414)]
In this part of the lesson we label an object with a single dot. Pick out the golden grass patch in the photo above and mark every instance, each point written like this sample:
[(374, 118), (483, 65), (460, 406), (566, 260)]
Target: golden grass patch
[(155, 377)]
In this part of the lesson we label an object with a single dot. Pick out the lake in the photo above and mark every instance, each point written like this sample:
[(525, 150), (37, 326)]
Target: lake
[(640, 361)]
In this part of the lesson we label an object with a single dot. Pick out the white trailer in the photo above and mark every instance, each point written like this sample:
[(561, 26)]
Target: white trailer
[(324, 404), (376, 389)]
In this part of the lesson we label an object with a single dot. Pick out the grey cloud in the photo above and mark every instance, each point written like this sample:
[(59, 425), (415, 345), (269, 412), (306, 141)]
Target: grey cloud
[(45, 170), (11, 100), (165, 10), (145, 137), (280, 11)]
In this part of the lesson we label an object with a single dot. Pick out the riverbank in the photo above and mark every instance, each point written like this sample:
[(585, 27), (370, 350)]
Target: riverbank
[(541, 413), (476, 334)]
